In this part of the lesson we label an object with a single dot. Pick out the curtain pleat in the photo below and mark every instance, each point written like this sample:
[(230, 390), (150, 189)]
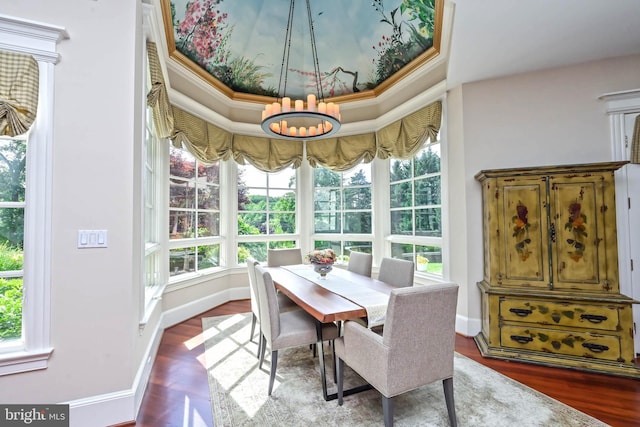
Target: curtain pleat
[(404, 138), (204, 140), (19, 85), (635, 142), (341, 154), (266, 154), (157, 98)]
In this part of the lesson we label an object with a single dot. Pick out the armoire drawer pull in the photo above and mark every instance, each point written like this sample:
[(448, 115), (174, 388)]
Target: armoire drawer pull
[(596, 348), (593, 318), (520, 339), (522, 312)]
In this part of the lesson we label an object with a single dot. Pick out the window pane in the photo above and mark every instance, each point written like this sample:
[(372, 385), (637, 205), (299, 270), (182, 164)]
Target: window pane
[(327, 199), (428, 222), (328, 244), (181, 193), (252, 223), (209, 197), (325, 178), (402, 251), (357, 222), (10, 308), (282, 223), (401, 222), (208, 224), (12, 227), (401, 195), (360, 175), (282, 244), (400, 169), (366, 247), (428, 191), (257, 250), (181, 163), (282, 200), (182, 260), (208, 256), (429, 259), (357, 198), (427, 161), (256, 200), (12, 170), (181, 224), (327, 223)]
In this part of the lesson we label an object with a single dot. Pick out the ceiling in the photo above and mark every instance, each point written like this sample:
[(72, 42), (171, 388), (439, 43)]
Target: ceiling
[(470, 40)]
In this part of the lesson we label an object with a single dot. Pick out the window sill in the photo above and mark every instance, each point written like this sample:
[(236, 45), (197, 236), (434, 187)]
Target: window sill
[(24, 361)]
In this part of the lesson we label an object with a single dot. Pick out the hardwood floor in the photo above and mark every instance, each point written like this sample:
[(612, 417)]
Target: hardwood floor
[(178, 391)]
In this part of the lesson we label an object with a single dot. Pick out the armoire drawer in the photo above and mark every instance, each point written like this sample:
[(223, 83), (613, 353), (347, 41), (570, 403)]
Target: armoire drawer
[(581, 344), (544, 312)]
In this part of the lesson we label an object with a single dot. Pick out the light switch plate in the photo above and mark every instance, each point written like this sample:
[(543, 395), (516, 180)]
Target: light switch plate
[(92, 239)]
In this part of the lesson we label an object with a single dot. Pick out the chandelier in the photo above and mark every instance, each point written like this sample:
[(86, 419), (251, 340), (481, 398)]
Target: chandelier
[(293, 119)]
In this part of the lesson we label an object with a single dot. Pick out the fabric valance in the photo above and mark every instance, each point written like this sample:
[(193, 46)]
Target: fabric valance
[(157, 98), (403, 138), (635, 142), (343, 153), (204, 140), (19, 85), (266, 154)]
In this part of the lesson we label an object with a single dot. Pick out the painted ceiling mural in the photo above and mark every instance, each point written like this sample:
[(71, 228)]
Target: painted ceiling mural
[(360, 44)]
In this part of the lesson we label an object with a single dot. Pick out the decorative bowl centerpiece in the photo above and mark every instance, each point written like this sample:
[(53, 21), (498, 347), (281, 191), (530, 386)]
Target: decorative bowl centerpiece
[(322, 260)]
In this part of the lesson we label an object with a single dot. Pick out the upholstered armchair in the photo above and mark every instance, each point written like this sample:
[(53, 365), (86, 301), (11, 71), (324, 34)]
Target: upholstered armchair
[(415, 349), (360, 262), (287, 256), (396, 272), (287, 329)]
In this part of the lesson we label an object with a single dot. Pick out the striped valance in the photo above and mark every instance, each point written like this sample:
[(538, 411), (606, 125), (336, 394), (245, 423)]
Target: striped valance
[(19, 85)]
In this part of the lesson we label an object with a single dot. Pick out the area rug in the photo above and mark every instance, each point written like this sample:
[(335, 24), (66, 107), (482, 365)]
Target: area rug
[(483, 397)]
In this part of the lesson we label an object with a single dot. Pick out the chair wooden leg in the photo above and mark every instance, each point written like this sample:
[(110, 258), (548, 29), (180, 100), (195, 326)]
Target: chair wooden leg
[(448, 397), (274, 364), (335, 368), (340, 370), (387, 411), (253, 327), (263, 347)]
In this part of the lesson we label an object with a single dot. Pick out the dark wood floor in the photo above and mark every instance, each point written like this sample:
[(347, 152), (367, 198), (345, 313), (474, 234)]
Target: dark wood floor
[(178, 391)]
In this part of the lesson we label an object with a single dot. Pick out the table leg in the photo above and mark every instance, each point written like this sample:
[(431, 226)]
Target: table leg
[(323, 372)]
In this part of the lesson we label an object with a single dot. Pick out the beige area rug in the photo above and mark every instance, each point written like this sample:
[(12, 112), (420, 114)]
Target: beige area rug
[(239, 391)]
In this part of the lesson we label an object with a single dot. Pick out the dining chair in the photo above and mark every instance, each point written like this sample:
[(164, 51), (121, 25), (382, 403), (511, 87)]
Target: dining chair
[(289, 256), (396, 272), (406, 356), (284, 302), (360, 262), (287, 329)]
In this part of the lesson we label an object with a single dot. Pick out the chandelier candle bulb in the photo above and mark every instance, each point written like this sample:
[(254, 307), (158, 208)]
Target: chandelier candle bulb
[(275, 108), (312, 131), (303, 131), (311, 102), (286, 104), (293, 131), (322, 108), (299, 105)]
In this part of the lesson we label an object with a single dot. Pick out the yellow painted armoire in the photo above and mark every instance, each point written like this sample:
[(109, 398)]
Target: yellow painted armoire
[(550, 291)]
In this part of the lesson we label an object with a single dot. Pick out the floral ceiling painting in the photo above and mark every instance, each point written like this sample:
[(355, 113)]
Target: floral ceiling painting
[(360, 45)]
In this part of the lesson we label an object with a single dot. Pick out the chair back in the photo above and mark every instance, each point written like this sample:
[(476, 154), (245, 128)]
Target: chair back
[(396, 272), (278, 257), (253, 289), (360, 262), (269, 308), (419, 331)]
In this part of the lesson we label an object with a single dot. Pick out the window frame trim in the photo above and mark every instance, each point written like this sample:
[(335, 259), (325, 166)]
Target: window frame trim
[(39, 40)]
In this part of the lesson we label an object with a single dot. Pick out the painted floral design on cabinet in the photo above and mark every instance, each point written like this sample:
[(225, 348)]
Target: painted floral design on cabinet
[(521, 231), (576, 226)]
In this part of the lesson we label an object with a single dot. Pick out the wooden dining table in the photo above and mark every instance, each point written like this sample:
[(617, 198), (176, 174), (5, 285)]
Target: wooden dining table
[(330, 300)]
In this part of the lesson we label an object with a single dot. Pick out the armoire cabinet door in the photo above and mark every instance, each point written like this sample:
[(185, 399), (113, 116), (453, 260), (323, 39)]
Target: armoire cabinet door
[(580, 234), (522, 236)]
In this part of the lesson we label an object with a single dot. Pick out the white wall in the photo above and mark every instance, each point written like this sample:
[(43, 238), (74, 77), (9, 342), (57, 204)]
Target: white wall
[(94, 310), (550, 117)]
